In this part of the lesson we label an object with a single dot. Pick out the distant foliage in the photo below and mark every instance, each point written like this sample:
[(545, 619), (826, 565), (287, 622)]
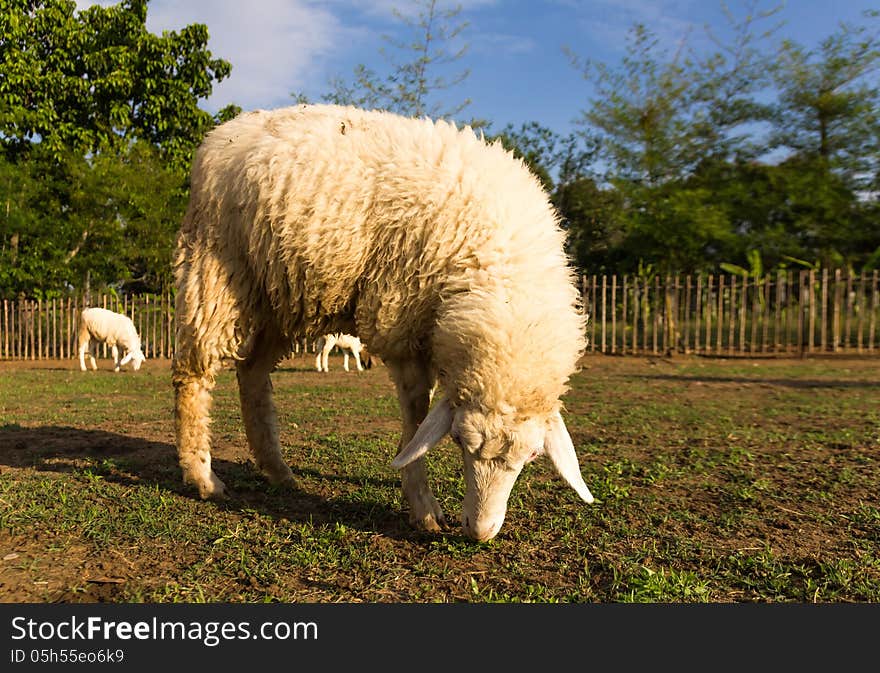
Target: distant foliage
[(98, 122)]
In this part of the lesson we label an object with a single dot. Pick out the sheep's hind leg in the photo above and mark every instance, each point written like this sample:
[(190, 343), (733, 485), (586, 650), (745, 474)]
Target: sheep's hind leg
[(413, 392), (258, 410)]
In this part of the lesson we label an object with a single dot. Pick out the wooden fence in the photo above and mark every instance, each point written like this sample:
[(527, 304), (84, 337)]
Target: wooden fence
[(784, 313), (787, 312)]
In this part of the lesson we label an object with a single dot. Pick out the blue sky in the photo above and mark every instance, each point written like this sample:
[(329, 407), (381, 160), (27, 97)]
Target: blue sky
[(518, 69)]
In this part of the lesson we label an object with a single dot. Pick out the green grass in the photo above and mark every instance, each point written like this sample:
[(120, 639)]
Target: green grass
[(715, 480)]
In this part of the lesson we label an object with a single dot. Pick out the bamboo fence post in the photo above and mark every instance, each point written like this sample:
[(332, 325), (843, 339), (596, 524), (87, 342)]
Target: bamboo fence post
[(766, 284), (636, 301), (624, 307), (732, 322), (604, 310), (614, 314), (720, 333), (161, 324), (150, 351), (835, 321), (31, 341), (141, 311), (5, 328), (875, 301), (847, 319), (65, 322), (756, 306), (698, 307), (812, 308), (779, 312), (646, 313), (686, 322), (676, 311), (41, 345), (744, 316), (802, 283), (655, 310), (823, 312), (593, 312), (671, 322), (794, 301), (860, 323), (710, 303)]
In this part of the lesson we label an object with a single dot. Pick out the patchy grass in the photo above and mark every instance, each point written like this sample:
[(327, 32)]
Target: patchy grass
[(716, 481)]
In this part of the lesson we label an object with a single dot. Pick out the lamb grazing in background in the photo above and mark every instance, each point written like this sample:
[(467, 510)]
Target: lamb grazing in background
[(442, 252), (346, 343), (98, 325)]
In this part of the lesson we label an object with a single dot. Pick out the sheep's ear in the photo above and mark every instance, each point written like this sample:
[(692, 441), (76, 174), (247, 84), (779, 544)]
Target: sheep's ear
[(435, 426), (560, 448)]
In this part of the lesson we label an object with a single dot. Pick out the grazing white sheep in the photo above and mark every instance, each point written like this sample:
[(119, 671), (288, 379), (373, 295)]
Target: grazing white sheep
[(347, 343), (442, 252), (99, 325)]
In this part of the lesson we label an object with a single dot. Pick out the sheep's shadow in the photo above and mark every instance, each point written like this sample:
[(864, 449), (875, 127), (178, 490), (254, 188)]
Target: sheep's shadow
[(139, 462)]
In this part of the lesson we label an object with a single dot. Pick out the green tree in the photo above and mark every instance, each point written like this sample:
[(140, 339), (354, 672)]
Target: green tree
[(724, 83), (97, 79), (829, 98), (640, 111)]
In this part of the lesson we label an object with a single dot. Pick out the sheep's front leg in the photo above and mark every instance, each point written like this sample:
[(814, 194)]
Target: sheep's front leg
[(413, 392), (345, 360), (93, 346), (192, 405), (258, 410), (114, 351), (83, 347)]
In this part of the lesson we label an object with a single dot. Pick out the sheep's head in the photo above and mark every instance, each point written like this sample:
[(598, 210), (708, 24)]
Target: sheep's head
[(135, 356), (495, 448)]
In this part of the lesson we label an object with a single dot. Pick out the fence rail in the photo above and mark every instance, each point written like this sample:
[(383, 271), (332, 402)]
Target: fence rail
[(784, 313)]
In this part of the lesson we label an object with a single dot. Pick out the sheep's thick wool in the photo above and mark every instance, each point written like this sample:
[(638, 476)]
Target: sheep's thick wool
[(412, 234)]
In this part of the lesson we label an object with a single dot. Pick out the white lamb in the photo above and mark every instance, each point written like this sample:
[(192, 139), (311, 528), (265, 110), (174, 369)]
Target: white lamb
[(347, 343), (442, 252), (98, 325)]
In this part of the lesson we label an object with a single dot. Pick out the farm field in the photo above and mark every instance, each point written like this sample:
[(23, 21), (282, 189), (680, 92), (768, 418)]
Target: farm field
[(717, 480)]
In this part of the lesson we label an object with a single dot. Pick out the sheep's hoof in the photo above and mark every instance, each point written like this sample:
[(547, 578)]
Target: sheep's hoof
[(283, 479), (433, 522), (214, 489)]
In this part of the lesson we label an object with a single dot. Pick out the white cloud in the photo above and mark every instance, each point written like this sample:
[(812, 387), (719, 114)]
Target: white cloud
[(272, 45)]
